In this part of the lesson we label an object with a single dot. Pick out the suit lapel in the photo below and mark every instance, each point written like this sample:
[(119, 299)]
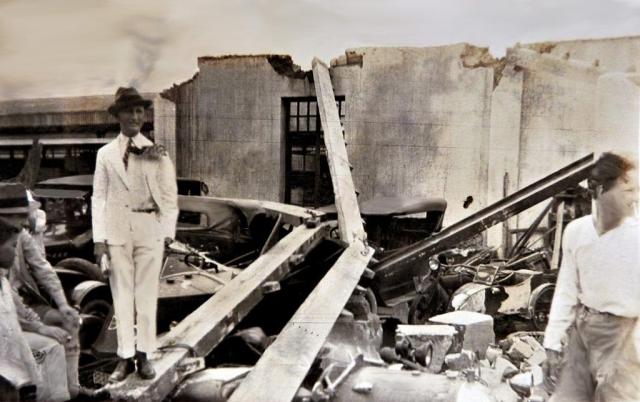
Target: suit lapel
[(116, 161)]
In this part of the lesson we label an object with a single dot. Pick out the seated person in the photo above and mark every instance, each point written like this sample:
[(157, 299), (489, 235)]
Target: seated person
[(30, 274), (21, 376)]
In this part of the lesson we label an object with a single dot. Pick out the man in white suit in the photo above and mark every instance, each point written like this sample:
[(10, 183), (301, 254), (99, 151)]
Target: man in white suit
[(134, 208)]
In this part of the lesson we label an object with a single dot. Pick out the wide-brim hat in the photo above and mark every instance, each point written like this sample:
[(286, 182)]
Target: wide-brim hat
[(14, 199), (125, 98)]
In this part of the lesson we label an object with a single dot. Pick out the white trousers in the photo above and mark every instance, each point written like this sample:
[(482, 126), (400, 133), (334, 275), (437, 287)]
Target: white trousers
[(50, 357), (134, 280)]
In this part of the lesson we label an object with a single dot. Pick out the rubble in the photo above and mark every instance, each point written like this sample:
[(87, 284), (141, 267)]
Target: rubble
[(431, 343), (476, 329), (330, 346), (460, 361)]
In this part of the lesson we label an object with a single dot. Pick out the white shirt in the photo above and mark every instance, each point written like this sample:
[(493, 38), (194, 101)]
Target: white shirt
[(601, 272), (140, 194)]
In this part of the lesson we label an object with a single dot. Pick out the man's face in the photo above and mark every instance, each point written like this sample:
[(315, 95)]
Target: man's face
[(131, 120), (622, 199)]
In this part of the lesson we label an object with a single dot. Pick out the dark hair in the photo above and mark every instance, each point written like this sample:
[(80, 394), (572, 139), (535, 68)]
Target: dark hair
[(608, 168)]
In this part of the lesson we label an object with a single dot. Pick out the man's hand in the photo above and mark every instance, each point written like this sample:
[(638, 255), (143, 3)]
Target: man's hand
[(59, 334), (551, 369), (70, 315), (168, 241), (100, 249)]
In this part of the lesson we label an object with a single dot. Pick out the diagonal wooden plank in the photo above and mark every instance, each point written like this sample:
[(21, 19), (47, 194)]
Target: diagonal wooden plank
[(284, 365), (349, 220), (203, 329)]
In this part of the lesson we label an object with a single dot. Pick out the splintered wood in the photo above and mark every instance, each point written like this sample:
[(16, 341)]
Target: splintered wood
[(349, 220), (284, 365), (206, 327)]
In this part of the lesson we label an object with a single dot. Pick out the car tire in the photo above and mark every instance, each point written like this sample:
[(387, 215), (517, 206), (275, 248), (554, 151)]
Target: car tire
[(83, 266)]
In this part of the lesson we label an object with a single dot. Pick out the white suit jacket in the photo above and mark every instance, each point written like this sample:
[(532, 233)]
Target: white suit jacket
[(111, 201)]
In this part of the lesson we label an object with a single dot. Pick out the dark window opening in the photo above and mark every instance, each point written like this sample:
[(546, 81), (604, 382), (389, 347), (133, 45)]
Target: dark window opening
[(307, 176)]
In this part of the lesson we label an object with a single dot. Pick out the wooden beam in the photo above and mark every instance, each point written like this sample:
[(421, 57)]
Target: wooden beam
[(557, 240), (349, 220), (284, 365), (203, 329)]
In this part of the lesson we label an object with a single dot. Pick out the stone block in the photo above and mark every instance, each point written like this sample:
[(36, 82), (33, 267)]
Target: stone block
[(520, 350), (430, 343), (491, 376), (507, 368), (538, 357), (460, 361), (476, 329)]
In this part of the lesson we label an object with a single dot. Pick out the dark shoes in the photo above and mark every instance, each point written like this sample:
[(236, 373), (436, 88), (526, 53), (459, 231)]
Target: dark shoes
[(145, 369), (127, 366), (123, 369)]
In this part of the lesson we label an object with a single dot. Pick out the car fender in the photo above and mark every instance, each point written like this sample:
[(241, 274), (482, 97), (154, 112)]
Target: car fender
[(535, 295), (89, 290)]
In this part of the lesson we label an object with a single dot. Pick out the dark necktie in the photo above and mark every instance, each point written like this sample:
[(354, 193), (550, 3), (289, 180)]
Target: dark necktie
[(127, 151)]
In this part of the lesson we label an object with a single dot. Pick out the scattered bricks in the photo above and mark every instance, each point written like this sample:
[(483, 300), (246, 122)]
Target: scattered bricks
[(491, 376), (507, 368), (539, 356), (531, 341), (476, 329), (430, 343), (460, 361), (520, 351)]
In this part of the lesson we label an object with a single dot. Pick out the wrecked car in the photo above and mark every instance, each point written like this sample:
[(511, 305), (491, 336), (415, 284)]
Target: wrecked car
[(67, 202)]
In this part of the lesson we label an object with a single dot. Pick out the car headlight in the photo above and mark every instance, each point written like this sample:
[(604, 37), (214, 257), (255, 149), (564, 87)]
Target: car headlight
[(434, 264)]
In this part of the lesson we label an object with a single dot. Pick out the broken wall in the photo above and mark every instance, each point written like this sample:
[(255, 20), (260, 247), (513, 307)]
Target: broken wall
[(614, 54), (417, 122), (618, 97), (164, 124), (230, 125), (559, 116)]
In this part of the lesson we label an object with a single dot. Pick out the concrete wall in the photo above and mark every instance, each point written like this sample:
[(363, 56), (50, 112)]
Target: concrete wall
[(230, 126), (164, 124), (445, 121), (558, 116), (618, 118), (417, 123), (504, 145), (614, 54)]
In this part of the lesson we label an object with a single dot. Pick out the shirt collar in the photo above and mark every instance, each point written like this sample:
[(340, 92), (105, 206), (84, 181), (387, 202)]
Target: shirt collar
[(138, 140)]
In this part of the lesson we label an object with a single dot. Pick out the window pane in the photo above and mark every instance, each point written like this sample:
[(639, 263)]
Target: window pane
[(313, 107), (293, 126), (303, 124), (309, 163), (312, 124), (297, 162), (303, 108), (293, 109)]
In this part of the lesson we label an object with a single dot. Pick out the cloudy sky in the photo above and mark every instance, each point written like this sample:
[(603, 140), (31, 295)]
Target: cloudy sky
[(85, 47)]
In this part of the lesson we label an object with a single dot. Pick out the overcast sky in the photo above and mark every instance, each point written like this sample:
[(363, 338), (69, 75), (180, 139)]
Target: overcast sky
[(86, 47)]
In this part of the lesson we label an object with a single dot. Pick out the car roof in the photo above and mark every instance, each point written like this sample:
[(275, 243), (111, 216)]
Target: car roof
[(396, 206), (59, 193), (83, 180)]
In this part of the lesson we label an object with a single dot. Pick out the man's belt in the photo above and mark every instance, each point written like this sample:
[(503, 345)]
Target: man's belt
[(594, 311), (144, 210)]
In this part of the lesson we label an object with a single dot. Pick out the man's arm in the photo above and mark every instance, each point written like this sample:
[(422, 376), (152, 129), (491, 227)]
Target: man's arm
[(98, 199), (28, 319), (169, 197), (42, 270), (565, 297)]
